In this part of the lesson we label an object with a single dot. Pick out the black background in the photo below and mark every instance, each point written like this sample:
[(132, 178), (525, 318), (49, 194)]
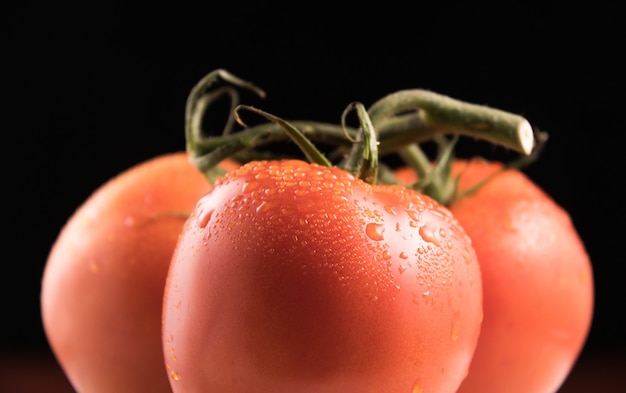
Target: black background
[(91, 92)]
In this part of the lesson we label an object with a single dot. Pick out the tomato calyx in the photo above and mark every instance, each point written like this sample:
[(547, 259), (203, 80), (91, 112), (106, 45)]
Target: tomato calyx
[(361, 161), (436, 178), (395, 124)]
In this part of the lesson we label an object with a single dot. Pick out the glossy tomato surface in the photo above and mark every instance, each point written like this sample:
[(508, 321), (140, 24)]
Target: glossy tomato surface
[(293, 277), (537, 279), (103, 282)]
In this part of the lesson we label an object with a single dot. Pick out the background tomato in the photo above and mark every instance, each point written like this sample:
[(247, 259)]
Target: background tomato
[(537, 279), (102, 287), (294, 277)]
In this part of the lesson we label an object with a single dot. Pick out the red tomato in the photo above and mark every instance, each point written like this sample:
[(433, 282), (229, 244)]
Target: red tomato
[(295, 277), (537, 282), (103, 282)]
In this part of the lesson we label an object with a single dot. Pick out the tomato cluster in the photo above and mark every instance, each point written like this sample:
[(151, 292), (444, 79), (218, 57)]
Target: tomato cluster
[(216, 270)]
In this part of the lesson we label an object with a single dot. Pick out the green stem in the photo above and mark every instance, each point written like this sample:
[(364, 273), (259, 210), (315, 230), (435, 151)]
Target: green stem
[(199, 101), (435, 114), (433, 180), (363, 158), (309, 150), (400, 119)]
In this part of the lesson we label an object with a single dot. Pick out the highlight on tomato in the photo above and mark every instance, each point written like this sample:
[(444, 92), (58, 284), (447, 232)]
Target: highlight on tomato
[(102, 287)]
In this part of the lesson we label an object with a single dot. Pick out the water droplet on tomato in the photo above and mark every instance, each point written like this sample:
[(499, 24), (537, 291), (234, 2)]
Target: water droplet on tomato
[(467, 257), (454, 334), (426, 296), (288, 210), (249, 186), (175, 376), (401, 269), (203, 217), (413, 214), (404, 255), (390, 209), (375, 231), (428, 234)]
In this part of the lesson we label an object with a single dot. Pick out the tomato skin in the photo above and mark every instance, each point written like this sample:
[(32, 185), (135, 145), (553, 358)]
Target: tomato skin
[(293, 277), (103, 282), (537, 279)]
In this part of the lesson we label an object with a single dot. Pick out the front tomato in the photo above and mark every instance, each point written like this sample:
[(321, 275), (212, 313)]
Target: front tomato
[(294, 277)]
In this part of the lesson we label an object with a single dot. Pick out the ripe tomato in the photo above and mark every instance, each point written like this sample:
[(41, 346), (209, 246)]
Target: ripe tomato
[(296, 277), (103, 282), (537, 282)]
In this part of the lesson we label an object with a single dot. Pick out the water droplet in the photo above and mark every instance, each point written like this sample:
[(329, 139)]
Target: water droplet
[(263, 207), (427, 233), (287, 211), (413, 214), (467, 257), (203, 217), (454, 335), (175, 376), (249, 186), (375, 231), (404, 255), (386, 255), (401, 269), (300, 192), (390, 209)]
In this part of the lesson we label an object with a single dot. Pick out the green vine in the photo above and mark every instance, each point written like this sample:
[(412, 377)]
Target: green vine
[(398, 123)]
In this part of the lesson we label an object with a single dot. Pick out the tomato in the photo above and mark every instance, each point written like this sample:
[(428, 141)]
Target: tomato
[(295, 277), (537, 282), (103, 282)]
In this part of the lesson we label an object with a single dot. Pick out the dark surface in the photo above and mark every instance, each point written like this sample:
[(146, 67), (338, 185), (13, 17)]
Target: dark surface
[(94, 91)]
